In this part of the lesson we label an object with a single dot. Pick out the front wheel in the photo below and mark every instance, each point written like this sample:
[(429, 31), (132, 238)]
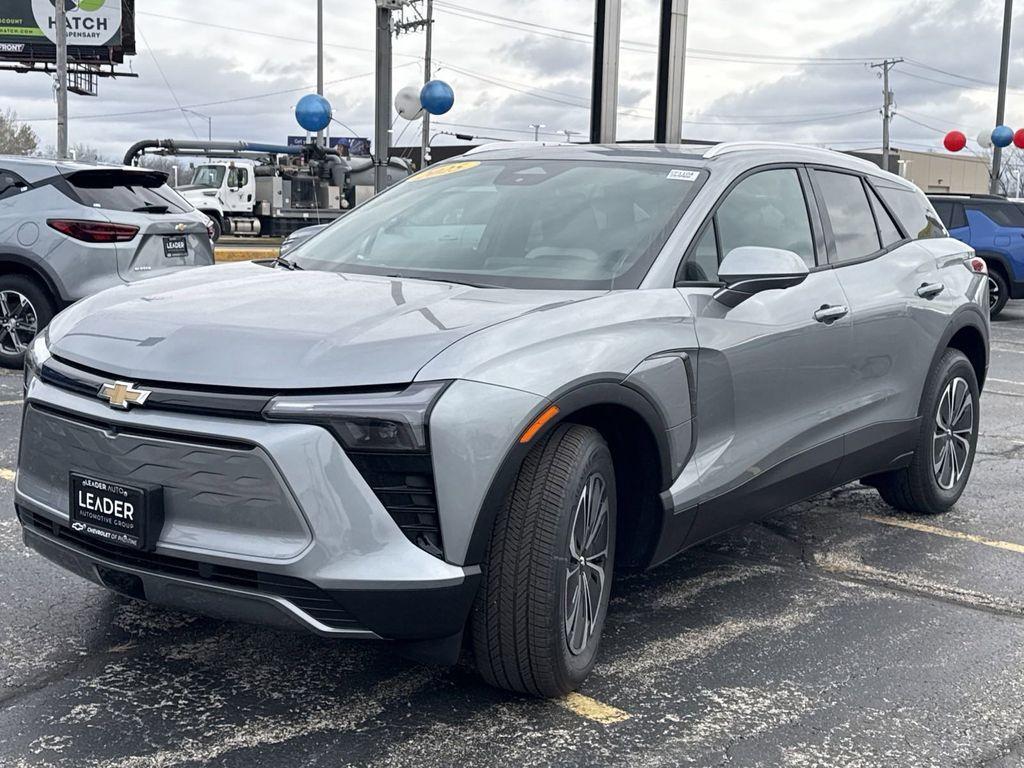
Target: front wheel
[(25, 309), (538, 617), (946, 443)]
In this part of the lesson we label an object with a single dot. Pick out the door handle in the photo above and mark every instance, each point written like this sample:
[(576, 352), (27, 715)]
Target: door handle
[(930, 290), (829, 315)]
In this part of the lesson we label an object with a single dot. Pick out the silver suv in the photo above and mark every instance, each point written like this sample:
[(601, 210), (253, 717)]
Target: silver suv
[(69, 230), (456, 412)]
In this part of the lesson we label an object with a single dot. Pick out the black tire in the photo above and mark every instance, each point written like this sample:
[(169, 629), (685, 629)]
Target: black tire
[(999, 292), (917, 488), (37, 310), (519, 628), (218, 228)]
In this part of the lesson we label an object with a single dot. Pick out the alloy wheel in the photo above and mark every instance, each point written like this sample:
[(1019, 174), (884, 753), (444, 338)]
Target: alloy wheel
[(993, 293), (586, 570), (954, 426), (18, 322)]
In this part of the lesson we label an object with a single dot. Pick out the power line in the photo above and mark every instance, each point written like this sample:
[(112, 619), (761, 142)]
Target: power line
[(167, 82)]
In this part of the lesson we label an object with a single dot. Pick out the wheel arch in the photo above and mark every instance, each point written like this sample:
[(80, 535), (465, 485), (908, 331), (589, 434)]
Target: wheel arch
[(999, 261), (15, 263), (967, 332), (637, 436)]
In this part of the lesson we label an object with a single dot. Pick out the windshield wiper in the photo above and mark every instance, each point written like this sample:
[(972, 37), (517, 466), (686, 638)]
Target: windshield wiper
[(289, 265), (443, 280), (151, 209)]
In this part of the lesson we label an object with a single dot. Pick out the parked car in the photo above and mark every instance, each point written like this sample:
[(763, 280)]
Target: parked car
[(466, 406), (994, 227), (69, 230), (300, 236)]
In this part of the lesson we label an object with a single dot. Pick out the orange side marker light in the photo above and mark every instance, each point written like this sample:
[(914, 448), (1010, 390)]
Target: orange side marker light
[(539, 422)]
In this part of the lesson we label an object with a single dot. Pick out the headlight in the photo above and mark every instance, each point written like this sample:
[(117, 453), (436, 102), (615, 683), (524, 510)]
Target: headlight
[(38, 352), (370, 421)]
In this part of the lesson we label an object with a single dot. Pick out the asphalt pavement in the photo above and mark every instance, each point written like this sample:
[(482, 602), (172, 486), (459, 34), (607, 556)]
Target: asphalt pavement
[(835, 633)]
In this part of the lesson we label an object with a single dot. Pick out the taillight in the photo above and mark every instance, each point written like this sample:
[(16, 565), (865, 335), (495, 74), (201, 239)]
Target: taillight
[(94, 231), (976, 265)]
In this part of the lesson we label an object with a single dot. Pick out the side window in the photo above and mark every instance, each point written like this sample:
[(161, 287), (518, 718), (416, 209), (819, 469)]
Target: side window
[(767, 209), (959, 217), (243, 177), (11, 184), (701, 265), (945, 210), (1003, 214), (913, 210), (849, 212), (887, 228)]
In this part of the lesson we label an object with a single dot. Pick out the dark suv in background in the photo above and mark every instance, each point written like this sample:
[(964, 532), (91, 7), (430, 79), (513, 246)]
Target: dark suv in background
[(994, 227)]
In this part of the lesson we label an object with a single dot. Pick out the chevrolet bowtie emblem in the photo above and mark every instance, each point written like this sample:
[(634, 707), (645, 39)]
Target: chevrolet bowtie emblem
[(121, 394)]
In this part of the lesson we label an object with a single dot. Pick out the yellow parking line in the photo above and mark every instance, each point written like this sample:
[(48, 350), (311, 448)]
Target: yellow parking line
[(7, 474), (949, 534), (592, 709), (19, 401)]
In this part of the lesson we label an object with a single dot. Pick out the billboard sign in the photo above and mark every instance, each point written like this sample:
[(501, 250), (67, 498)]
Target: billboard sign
[(97, 30), (356, 146)]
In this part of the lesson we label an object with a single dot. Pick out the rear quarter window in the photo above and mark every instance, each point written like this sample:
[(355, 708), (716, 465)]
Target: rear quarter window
[(1003, 214), (913, 210)]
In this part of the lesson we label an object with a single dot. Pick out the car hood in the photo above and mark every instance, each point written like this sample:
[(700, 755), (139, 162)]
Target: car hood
[(249, 326)]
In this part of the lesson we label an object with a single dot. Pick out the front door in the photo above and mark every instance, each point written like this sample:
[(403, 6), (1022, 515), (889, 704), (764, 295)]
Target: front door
[(772, 373)]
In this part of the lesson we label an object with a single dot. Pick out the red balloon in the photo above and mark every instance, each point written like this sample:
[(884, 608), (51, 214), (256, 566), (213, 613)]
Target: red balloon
[(954, 141), (1018, 139)]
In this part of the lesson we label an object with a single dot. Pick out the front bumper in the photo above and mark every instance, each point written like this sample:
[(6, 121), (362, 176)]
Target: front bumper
[(267, 523)]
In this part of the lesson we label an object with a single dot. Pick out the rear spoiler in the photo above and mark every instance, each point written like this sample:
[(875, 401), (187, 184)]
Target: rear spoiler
[(93, 178)]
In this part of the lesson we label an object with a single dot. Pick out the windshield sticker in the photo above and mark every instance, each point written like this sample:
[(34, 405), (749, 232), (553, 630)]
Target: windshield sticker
[(681, 175), (444, 170)]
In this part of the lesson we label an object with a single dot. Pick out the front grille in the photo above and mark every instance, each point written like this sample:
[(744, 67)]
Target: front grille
[(306, 596), (404, 483)]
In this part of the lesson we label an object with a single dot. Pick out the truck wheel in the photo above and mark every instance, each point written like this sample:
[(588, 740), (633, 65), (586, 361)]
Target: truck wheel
[(25, 309), (946, 443), (538, 617), (998, 292), (218, 228)]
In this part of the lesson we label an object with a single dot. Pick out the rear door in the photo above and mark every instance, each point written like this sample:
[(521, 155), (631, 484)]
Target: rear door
[(171, 235), (772, 377), (1003, 225), (899, 305)]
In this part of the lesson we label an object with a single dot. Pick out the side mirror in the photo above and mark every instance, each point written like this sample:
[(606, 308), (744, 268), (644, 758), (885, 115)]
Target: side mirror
[(752, 269)]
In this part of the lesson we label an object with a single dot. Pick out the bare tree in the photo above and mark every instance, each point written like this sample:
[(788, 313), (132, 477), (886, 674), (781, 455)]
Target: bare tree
[(15, 138), (177, 171)]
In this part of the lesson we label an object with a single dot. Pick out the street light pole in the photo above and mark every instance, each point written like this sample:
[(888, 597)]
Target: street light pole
[(536, 130), (320, 58), (382, 106), (1004, 65), (207, 118), (62, 79)]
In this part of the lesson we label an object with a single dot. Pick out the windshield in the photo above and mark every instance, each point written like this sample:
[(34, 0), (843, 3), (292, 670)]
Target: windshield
[(208, 176), (512, 223)]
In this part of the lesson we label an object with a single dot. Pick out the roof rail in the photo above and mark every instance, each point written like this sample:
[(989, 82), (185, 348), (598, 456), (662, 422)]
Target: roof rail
[(739, 146), (494, 146), (971, 195)]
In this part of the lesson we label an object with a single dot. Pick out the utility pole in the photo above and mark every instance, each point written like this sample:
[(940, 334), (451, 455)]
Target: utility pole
[(568, 135), (62, 79), (382, 106), (320, 58), (887, 105), (1004, 63), (536, 130), (427, 74), (668, 121)]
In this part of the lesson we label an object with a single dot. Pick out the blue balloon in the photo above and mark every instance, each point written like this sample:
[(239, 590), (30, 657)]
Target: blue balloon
[(1002, 136), (437, 97), (313, 112)]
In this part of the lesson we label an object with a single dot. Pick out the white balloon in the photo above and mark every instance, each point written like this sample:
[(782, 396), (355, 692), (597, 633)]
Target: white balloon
[(985, 139), (407, 103)]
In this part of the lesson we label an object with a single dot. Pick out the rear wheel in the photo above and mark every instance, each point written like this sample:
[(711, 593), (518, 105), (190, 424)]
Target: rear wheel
[(538, 617), (946, 443), (25, 309), (218, 228), (998, 292)]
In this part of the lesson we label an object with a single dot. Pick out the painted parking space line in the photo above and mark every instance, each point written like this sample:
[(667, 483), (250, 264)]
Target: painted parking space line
[(1009, 546), (592, 709), (1003, 394), (19, 401), (7, 474), (1005, 381)]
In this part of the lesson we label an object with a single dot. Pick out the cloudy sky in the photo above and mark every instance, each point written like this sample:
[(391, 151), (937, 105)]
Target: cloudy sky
[(782, 70)]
